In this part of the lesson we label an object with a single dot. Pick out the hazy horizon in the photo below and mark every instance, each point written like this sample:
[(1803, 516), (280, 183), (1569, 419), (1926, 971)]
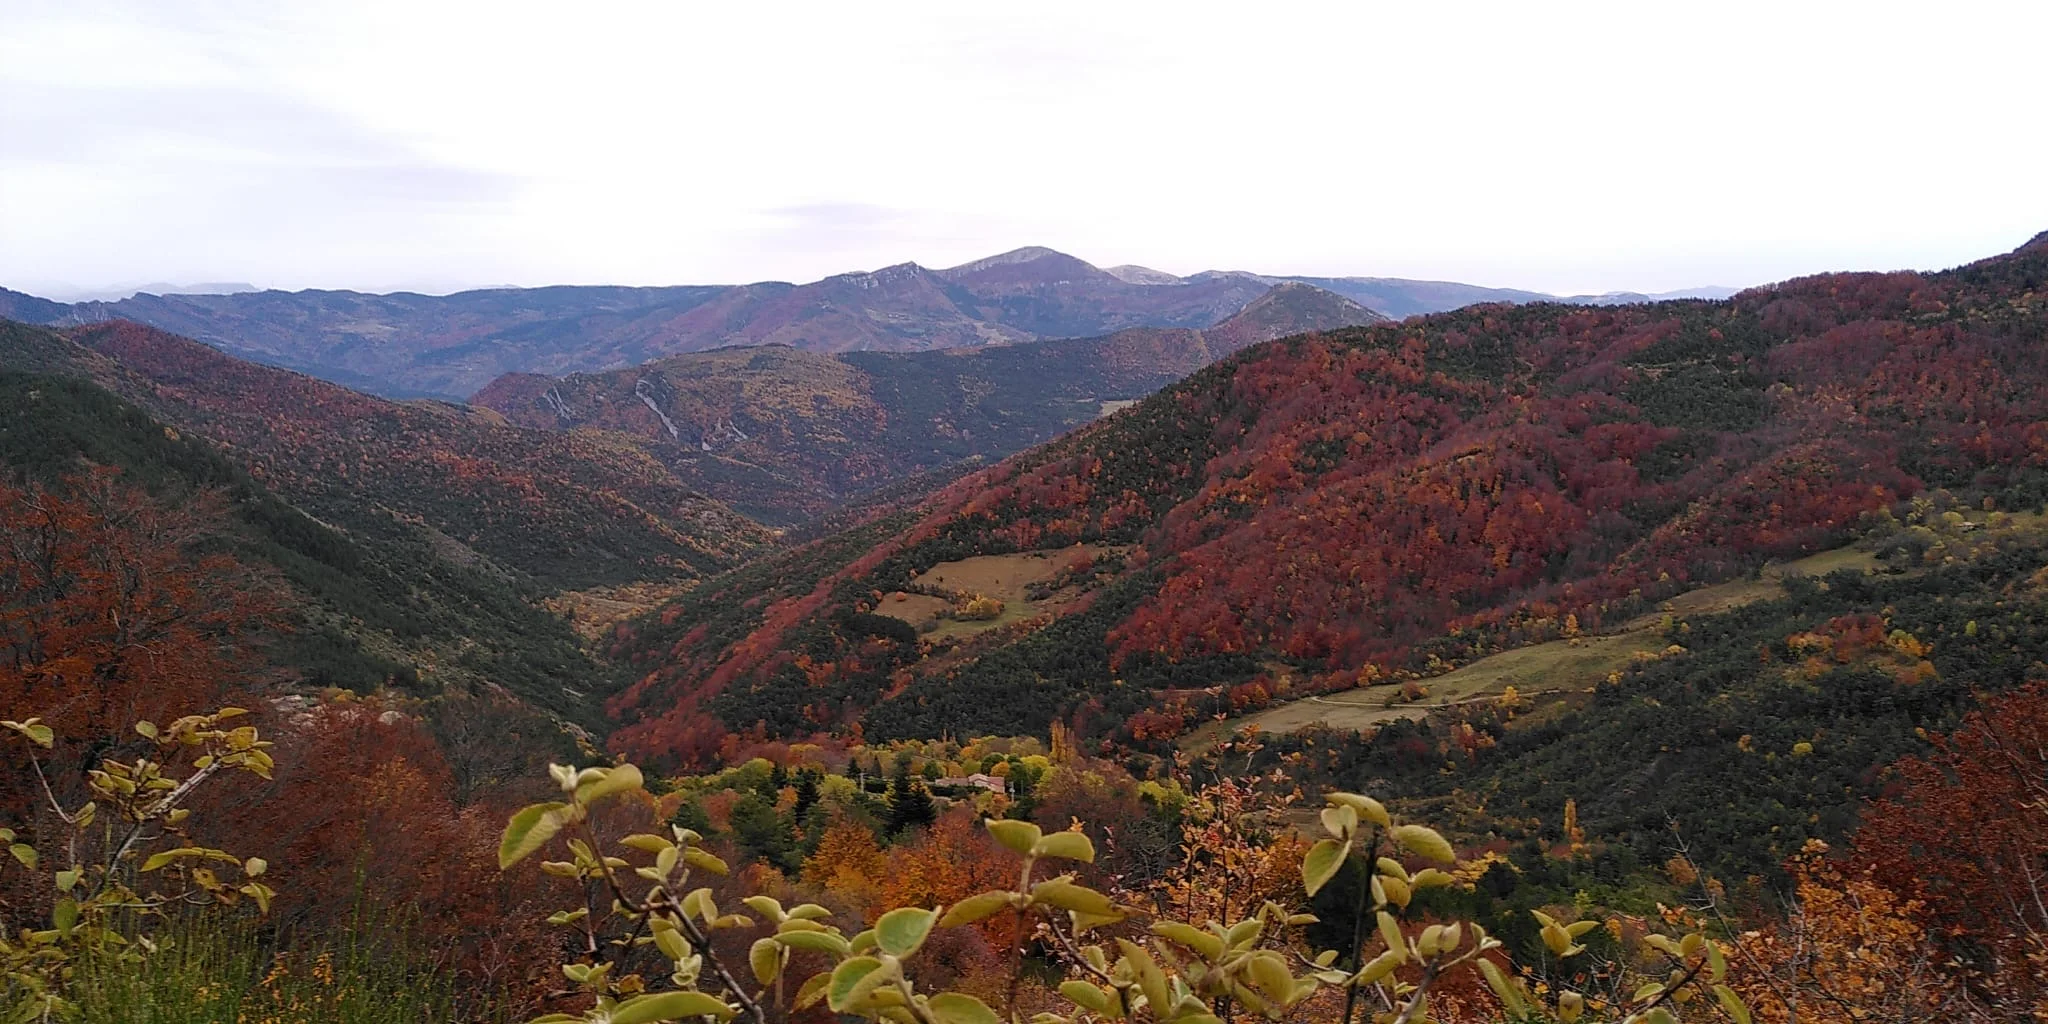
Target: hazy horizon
[(66, 292), (1572, 150)]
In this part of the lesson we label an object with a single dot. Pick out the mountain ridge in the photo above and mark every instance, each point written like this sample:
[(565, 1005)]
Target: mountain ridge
[(406, 344), (786, 435), (561, 510)]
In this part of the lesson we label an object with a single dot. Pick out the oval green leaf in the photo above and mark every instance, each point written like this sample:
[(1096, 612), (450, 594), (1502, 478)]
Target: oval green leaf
[(663, 1006), (528, 831), (839, 992), (1085, 995), (65, 915), (765, 957), (1732, 1004), (621, 779), (813, 990), (1080, 899), (1369, 809), (1322, 863), (821, 941), (1020, 836), (1425, 842), (975, 908), (960, 1008), (1066, 846), (901, 931), (1151, 980), (1189, 937)]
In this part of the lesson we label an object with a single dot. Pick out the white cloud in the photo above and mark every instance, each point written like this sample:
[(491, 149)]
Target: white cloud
[(1569, 147)]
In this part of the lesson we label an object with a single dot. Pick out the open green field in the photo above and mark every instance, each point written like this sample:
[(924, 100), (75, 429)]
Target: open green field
[(1736, 593), (1007, 578), (1538, 671)]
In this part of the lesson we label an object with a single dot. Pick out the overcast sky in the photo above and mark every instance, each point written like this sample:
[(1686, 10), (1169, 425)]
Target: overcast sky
[(1567, 147)]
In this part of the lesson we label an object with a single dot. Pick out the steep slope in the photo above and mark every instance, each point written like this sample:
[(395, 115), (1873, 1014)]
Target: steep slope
[(1752, 729), (786, 435), (1396, 498), (28, 308), (566, 510), (369, 608)]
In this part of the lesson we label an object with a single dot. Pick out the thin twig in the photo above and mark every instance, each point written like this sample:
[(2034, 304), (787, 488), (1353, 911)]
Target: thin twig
[(162, 808), (661, 903)]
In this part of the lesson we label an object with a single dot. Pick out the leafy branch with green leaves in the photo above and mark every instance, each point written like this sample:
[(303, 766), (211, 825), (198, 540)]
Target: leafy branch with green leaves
[(125, 856), (1171, 971)]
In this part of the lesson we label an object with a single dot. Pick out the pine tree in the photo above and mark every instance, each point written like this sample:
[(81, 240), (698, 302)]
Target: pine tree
[(806, 793), (764, 834), (910, 803)]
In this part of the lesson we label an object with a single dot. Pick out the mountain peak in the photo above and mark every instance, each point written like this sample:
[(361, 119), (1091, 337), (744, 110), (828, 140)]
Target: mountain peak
[(1028, 254), (892, 272), (2039, 243), (1131, 273), (1288, 308)]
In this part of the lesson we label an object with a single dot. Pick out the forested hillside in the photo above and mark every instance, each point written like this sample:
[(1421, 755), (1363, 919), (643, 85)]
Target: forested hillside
[(562, 510), (787, 435), (376, 607), (1372, 505)]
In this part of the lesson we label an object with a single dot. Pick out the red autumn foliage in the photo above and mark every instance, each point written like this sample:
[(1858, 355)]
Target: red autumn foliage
[(1967, 833), (361, 813), (538, 500), (113, 609), (1339, 499)]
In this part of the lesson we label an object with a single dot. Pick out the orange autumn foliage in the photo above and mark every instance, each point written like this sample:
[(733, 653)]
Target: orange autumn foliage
[(848, 862), (952, 860), (1851, 951), (1231, 861)]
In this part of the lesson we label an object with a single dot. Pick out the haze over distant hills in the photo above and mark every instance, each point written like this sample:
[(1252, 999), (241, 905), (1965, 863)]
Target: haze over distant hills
[(115, 293), (786, 435), (405, 345)]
